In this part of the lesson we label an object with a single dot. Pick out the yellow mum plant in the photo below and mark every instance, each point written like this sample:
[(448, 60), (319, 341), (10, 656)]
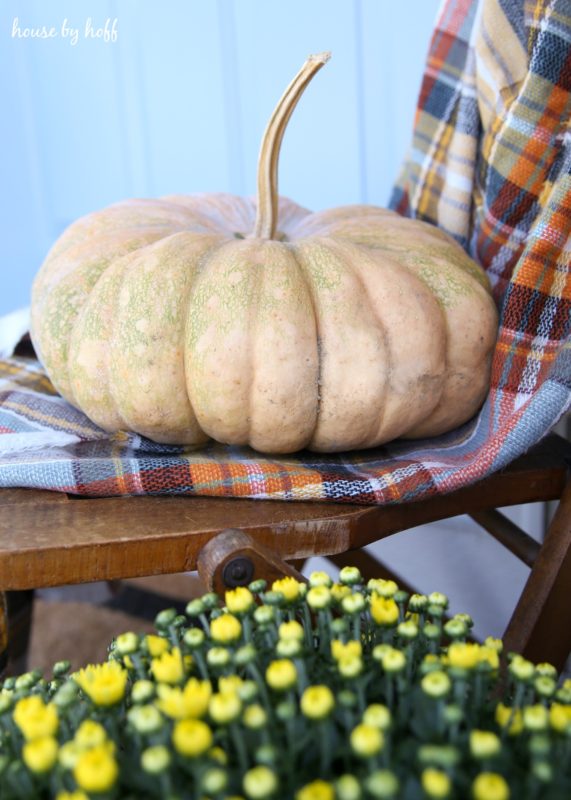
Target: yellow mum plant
[(332, 691)]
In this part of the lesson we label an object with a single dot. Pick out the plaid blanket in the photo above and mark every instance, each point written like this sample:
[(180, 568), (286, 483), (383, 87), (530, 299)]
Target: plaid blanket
[(491, 164)]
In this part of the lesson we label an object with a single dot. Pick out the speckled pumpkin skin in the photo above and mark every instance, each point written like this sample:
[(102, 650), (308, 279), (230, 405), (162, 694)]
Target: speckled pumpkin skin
[(355, 326)]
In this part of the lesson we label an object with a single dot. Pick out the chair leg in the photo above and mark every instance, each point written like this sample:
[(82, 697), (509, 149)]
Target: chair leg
[(540, 627), (234, 559), (3, 635), (15, 627)]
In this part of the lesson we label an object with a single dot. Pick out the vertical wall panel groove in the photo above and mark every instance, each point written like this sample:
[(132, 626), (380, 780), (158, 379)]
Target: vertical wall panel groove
[(180, 102), (232, 98), (360, 94)]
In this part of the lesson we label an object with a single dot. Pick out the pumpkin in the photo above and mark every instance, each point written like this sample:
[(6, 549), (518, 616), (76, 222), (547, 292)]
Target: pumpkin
[(259, 323)]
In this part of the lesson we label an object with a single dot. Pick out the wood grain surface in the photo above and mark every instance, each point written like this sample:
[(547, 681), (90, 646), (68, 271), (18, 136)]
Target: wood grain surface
[(51, 539)]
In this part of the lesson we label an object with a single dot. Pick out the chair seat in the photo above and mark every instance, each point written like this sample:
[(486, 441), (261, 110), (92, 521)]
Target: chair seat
[(51, 539)]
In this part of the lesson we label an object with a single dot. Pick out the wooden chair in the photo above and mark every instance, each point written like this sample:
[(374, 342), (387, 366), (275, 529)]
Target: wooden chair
[(52, 539)]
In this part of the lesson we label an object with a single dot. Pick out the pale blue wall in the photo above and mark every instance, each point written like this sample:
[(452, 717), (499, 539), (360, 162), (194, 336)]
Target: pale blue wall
[(179, 102)]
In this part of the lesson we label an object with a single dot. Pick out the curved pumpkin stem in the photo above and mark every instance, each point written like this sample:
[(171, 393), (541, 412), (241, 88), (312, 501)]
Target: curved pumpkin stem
[(267, 213)]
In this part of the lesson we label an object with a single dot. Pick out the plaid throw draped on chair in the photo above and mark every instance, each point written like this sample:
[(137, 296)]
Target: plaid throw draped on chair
[(491, 164)]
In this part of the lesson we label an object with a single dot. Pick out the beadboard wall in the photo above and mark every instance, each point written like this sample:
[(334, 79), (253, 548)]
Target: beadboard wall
[(178, 103)]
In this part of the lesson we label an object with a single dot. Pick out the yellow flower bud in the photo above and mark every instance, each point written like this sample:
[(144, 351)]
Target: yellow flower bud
[(289, 587), (281, 675), (104, 684), (544, 668), (545, 686), (339, 592), (340, 650), (320, 578), (90, 734), (490, 786), (484, 744), (288, 648), (239, 600), (353, 604), (217, 657), (521, 668), (438, 599), (384, 610), (317, 702), (96, 770), (254, 716), (35, 718), (560, 717), (40, 754), (168, 667), (435, 783), (155, 760), (126, 643), (350, 667), (495, 644), (230, 683), (225, 628), (384, 588), (436, 684), (68, 754), (535, 718), (393, 660), (464, 655), (382, 783), (366, 740), (505, 715), (71, 796), (348, 788), (192, 737), (489, 656), (291, 631), (217, 754), (316, 790), (214, 781), (378, 716), (142, 691), (350, 575), (145, 719), (319, 597), (155, 645), (259, 783), (224, 707)]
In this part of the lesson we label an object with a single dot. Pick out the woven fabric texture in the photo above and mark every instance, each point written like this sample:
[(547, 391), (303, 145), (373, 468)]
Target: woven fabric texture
[(490, 163)]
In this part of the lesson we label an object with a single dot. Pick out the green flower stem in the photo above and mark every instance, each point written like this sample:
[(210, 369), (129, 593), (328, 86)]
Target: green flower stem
[(240, 746), (302, 679), (307, 626), (165, 781), (439, 705), (173, 636), (325, 747), (139, 666), (518, 698), (261, 684), (201, 664), (361, 700), (324, 620), (247, 628), (459, 689), (478, 694), (357, 627), (389, 687), (204, 622)]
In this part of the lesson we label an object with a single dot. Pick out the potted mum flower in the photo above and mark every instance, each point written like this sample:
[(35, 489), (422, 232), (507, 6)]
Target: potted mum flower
[(325, 691)]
